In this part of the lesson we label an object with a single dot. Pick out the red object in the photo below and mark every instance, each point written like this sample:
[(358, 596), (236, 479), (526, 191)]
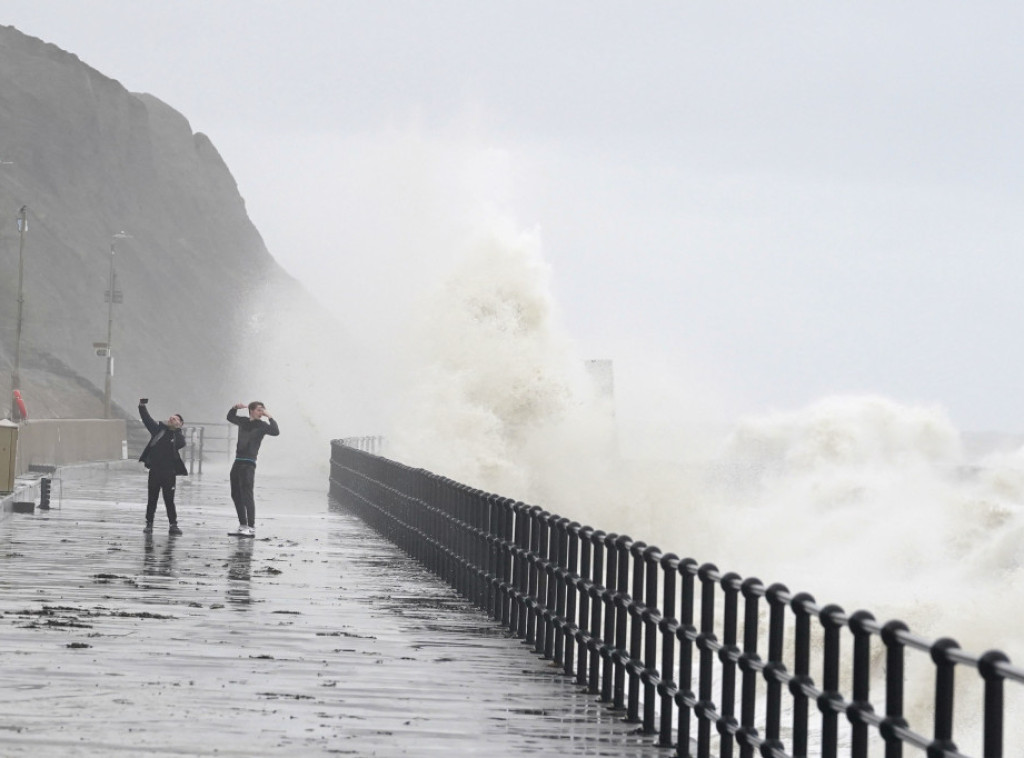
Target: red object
[(21, 404)]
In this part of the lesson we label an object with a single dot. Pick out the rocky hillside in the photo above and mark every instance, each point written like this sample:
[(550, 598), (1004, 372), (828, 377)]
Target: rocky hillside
[(89, 160)]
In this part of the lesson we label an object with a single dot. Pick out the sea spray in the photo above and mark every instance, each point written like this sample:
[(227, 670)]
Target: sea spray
[(875, 505), (497, 397), (318, 380), (872, 504), (860, 500)]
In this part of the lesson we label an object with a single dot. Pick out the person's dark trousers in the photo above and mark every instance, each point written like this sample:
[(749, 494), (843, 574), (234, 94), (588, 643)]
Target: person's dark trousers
[(161, 481), (243, 476)]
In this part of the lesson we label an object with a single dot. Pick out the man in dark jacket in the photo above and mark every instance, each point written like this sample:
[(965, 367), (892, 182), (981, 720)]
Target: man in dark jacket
[(251, 432), (164, 463)]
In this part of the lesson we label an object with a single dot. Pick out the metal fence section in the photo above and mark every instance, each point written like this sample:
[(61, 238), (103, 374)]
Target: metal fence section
[(704, 661), (211, 441)]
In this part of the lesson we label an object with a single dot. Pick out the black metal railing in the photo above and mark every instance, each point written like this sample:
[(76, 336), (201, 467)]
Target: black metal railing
[(705, 661)]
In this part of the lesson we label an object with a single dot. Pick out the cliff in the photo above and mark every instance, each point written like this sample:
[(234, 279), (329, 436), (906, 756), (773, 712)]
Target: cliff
[(90, 160)]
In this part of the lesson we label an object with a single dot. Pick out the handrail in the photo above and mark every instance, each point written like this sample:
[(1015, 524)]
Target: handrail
[(604, 607)]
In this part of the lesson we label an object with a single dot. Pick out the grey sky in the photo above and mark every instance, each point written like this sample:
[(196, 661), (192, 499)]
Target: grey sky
[(770, 202)]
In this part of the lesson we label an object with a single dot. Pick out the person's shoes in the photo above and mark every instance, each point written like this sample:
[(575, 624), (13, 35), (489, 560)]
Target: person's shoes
[(175, 530), (148, 529), (249, 531), (239, 532)]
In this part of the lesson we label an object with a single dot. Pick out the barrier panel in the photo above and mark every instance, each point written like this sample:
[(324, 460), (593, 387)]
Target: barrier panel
[(58, 442), (707, 662)]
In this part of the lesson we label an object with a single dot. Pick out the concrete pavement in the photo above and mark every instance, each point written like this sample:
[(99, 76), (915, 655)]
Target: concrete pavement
[(316, 638)]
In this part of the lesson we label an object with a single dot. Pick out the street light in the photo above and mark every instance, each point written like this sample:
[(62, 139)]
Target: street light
[(16, 374), (113, 296)]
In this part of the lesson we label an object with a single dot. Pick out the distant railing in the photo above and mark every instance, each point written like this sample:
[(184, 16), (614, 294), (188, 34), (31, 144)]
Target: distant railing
[(208, 440), (370, 444), (642, 629)]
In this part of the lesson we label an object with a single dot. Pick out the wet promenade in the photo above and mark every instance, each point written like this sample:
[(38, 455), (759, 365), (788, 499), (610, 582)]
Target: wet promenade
[(316, 638)]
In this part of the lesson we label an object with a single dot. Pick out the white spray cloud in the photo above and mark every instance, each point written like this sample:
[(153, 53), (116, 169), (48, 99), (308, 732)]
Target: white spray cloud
[(498, 398), (317, 380), (841, 498), (860, 500), (875, 504)]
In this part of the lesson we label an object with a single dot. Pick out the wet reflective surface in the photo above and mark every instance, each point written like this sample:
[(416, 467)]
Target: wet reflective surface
[(316, 638)]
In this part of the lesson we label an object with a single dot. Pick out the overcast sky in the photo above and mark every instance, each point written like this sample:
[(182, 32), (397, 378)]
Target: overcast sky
[(771, 202)]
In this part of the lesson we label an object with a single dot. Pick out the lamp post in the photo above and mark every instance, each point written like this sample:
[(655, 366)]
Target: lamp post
[(16, 374), (113, 296)]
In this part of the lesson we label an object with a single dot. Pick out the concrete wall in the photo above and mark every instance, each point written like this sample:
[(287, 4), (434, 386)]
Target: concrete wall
[(58, 442)]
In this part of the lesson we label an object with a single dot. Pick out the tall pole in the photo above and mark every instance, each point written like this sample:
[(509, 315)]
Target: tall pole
[(113, 296), (110, 331), (16, 375)]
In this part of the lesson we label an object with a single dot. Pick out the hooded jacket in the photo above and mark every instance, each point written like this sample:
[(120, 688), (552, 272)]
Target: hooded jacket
[(161, 452)]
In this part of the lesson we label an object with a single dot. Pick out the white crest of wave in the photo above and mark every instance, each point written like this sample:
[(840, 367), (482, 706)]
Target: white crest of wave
[(867, 498), (844, 432), (497, 398), (875, 505)]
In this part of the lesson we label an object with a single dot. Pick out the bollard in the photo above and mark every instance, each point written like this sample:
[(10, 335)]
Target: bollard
[(44, 493)]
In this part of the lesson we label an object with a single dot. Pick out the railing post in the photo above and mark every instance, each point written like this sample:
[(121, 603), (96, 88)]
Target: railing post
[(775, 665), (861, 705), (705, 643), (728, 655), (596, 593), (993, 716), (586, 581), (687, 636), (500, 538), (651, 618), (944, 676), (544, 601), (668, 626), (751, 589), (608, 600), (554, 647), (485, 562), (635, 607), (520, 571), (832, 621), (533, 556), (801, 605), (570, 591), (622, 603)]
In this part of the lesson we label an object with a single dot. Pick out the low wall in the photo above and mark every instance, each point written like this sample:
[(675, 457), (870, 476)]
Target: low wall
[(58, 442)]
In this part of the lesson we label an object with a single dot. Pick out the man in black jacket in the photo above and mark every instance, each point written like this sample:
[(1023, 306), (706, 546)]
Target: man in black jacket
[(251, 432), (164, 463)]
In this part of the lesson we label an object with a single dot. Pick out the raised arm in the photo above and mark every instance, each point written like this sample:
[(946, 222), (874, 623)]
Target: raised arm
[(233, 414), (273, 431), (151, 425)]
